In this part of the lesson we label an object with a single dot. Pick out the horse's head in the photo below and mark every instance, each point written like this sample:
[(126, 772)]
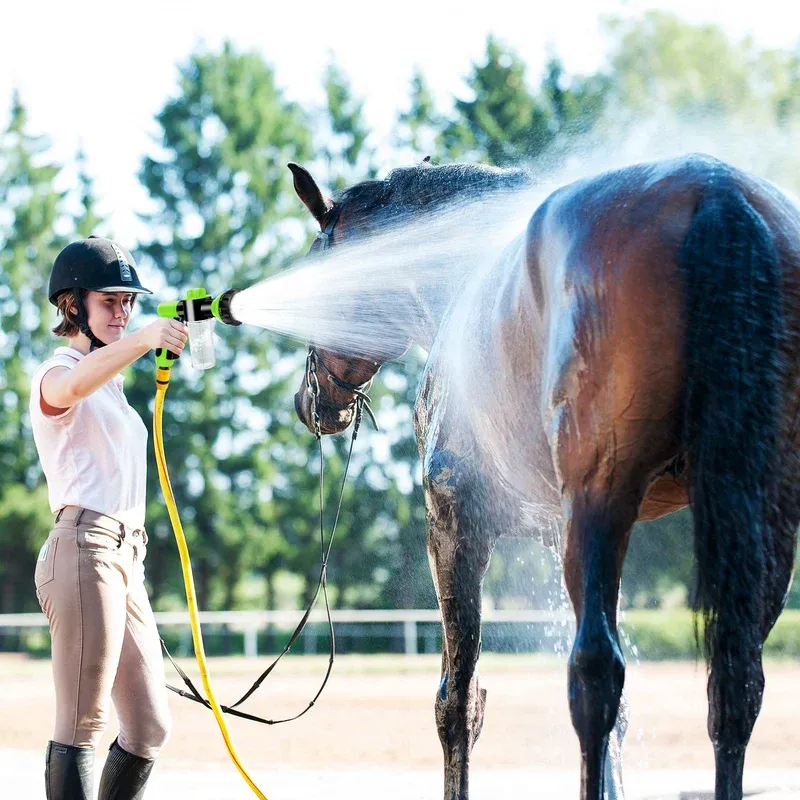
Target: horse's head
[(334, 382)]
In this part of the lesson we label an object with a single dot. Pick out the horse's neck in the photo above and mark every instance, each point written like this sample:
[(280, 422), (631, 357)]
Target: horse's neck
[(431, 309), (485, 309), (487, 335), (435, 304), (498, 317), (478, 394)]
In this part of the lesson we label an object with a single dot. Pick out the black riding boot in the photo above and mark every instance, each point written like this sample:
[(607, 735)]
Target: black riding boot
[(68, 772), (124, 775)]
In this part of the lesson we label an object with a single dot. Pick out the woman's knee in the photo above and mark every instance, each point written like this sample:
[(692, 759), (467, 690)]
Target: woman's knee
[(147, 737), (83, 733)]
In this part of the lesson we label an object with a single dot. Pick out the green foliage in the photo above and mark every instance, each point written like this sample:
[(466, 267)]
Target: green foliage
[(223, 180), (787, 87), (348, 157), (25, 520), (248, 480), (400, 559), (660, 559), (784, 639), (524, 574), (379, 559), (420, 123), (29, 216), (502, 122), (87, 221), (662, 635), (505, 122), (659, 635), (659, 61)]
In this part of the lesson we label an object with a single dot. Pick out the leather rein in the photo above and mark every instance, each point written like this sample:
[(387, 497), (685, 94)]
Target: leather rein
[(359, 403)]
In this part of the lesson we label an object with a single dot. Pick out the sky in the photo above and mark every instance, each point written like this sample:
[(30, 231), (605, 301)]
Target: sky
[(95, 74)]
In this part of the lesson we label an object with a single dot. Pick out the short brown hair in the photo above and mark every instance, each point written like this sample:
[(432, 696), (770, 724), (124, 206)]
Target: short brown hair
[(68, 324)]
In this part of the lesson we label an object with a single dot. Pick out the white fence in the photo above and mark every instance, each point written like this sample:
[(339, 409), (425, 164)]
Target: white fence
[(251, 623)]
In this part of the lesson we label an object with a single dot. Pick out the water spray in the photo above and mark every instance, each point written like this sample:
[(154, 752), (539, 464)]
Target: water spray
[(199, 311)]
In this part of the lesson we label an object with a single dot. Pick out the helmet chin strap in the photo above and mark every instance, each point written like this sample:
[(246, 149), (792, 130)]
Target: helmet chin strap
[(83, 321)]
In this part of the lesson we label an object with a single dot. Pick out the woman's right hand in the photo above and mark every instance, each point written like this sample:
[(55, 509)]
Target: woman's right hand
[(169, 333)]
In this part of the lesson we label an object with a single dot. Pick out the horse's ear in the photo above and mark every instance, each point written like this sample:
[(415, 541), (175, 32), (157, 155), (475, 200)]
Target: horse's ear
[(426, 162), (308, 191)]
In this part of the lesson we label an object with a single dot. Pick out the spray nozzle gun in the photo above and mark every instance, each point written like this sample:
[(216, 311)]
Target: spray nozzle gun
[(198, 310)]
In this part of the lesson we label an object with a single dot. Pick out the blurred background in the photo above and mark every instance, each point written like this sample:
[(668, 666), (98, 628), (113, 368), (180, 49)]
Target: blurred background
[(168, 126)]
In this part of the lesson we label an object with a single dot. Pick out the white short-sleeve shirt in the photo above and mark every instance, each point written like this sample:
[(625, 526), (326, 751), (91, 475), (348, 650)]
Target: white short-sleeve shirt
[(95, 454)]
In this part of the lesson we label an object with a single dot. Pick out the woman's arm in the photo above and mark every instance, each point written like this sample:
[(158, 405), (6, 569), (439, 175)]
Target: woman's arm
[(62, 388)]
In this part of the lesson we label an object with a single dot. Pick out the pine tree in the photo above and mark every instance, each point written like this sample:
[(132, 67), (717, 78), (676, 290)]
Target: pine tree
[(343, 132), (87, 221), (223, 194), (420, 124), (503, 122), (28, 245)]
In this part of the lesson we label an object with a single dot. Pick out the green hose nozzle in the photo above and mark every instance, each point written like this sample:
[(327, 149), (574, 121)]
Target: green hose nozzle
[(198, 310), (221, 307)]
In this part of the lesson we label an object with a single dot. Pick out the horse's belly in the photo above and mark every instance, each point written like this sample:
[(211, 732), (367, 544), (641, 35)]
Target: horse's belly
[(665, 495)]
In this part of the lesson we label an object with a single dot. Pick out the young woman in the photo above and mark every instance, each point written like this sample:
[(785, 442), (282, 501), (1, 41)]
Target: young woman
[(89, 574)]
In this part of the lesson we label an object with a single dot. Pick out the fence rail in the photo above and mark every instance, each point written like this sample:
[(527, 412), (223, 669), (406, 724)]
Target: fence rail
[(251, 623)]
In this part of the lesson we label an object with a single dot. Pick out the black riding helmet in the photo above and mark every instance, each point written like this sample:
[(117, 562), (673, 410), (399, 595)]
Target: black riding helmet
[(95, 265)]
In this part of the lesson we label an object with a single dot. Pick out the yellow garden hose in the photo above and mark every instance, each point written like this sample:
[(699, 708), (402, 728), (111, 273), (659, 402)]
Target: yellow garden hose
[(162, 382)]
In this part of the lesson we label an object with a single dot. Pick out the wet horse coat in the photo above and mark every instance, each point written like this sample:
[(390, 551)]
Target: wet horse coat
[(637, 345)]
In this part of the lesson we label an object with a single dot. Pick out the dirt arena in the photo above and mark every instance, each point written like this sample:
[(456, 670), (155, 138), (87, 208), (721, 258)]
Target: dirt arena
[(377, 713)]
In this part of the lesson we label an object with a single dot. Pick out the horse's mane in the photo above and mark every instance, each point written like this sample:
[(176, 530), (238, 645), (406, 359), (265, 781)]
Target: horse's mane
[(423, 186)]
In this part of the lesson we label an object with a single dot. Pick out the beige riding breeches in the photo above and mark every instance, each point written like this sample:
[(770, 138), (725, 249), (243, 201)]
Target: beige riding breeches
[(105, 646)]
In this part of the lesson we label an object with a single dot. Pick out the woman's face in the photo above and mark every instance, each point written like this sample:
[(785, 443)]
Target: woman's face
[(109, 314)]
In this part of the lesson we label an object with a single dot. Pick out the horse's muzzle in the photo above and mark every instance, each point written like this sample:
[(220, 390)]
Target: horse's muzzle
[(303, 409), (332, 420)]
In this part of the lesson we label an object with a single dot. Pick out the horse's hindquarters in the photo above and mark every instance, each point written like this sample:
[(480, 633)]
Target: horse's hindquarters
[(613, 357), (606, 263)]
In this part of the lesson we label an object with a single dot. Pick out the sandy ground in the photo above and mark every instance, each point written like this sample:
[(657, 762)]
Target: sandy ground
[(376, 713)]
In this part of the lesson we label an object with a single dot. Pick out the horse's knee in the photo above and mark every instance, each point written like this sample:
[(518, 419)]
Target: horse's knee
[(596, 679), (459, 712)]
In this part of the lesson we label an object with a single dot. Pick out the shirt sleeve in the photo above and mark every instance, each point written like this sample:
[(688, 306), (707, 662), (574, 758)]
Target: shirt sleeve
[(36, 387)]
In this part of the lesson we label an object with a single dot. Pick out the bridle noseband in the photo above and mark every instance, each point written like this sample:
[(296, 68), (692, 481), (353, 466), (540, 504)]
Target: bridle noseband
[(359, 403)]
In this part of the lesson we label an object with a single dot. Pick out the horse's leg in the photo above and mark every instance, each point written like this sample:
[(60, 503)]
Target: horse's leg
[(459, 556), (739, 383), (597, 529), (731, 724)]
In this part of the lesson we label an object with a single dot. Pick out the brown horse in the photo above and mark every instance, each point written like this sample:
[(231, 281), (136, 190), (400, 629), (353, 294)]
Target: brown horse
[(635, 351)]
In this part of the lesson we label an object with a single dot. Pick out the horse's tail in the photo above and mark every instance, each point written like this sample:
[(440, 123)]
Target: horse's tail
[(731, 272)]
